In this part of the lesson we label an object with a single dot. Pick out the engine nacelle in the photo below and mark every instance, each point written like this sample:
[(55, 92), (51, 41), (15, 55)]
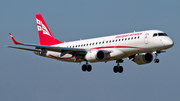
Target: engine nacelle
[(95, 56), (143, 58)]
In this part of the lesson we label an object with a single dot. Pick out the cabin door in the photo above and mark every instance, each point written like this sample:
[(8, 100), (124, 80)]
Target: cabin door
[(146, 38)]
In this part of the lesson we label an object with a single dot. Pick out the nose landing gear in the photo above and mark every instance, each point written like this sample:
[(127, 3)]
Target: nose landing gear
[(156, 60)]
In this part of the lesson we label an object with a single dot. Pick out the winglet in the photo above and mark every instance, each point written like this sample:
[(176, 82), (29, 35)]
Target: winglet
[(14, 39)]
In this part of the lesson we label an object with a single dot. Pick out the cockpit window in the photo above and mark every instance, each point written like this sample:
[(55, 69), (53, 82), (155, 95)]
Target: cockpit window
[(155, 34), (162, 34), (159, 34)]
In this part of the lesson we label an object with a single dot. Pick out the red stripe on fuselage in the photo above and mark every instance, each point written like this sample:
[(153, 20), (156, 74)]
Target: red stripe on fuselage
[(99, 48)]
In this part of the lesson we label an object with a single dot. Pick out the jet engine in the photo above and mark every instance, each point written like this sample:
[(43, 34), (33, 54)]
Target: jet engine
[(95, 56), (143, 58)]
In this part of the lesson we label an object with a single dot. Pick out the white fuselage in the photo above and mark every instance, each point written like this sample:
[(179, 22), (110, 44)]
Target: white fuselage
[(119, 46)]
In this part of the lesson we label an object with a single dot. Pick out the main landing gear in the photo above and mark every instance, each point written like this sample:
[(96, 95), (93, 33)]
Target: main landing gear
[(156, 60), (118, 68), (86, 67)]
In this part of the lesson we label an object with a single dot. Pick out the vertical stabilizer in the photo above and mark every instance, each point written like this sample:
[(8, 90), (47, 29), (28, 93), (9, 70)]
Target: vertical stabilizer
[(45, 36)]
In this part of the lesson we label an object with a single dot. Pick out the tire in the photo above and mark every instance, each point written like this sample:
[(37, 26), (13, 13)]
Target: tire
[(157, 61), (120, 69), (115, 69), (84, 68), (89, 68), (154, 60)]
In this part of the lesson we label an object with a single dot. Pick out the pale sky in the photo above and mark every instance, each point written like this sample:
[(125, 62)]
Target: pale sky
[(25, 76)]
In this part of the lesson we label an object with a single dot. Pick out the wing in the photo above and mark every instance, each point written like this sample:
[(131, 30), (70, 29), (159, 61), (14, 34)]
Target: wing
[(34, 50), (40, 48)]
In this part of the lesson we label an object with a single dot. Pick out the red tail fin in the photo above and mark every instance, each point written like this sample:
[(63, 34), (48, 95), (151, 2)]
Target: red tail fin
[(45, 36)]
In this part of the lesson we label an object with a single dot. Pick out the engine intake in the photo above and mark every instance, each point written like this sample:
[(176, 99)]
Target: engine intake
[(95, 56), (143, 58)]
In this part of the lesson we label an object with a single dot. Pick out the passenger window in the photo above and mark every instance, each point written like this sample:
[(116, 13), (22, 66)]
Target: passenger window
[(122, 39), (110, 41), (113, 41), (96, 43), (106, 41), (125, 39), (138, 37), (87, 44), (99, 42), (78, 45), (90, 44), (103, 42), (132, 38), (116, 40), (128, 38), (93, 43), (119, 39)]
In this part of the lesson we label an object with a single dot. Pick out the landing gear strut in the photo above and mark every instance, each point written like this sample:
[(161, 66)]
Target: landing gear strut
[(86, 67), (156, 60), (118, 68)]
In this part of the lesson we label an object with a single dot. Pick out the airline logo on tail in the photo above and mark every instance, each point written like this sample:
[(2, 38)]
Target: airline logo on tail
[(42, 27), (45, 35)]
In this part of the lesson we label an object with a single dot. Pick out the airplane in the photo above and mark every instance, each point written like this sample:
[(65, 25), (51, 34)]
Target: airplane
[(136, 46)]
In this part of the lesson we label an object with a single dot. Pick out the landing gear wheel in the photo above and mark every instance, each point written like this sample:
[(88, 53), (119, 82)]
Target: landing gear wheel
[(156, 60), (84, 68), (120, 69), (115, 69), (89, 68)]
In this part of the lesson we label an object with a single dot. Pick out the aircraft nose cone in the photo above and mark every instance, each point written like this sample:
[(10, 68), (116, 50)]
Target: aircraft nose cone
[(169, 43)]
